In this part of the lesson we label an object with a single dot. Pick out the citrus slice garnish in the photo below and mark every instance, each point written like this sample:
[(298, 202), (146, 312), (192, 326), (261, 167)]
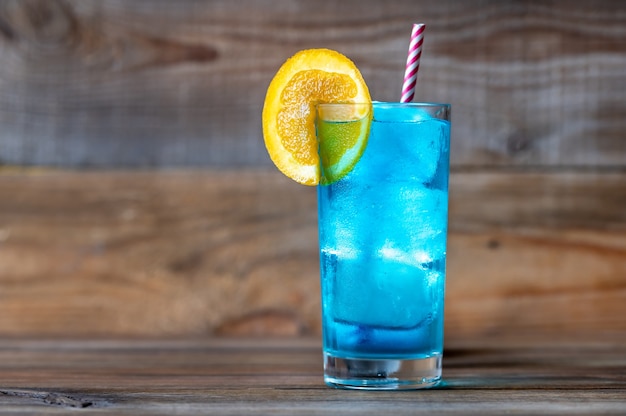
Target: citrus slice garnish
[(342, 131), (308, 78)]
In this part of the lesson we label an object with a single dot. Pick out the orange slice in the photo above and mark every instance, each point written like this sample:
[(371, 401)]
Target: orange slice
[(310, 77)]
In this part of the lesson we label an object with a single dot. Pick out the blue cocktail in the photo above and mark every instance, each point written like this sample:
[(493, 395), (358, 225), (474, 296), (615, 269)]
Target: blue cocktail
[(382, 230)]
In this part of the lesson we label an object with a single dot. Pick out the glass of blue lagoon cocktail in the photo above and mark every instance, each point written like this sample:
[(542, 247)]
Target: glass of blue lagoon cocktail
[(382, 236)]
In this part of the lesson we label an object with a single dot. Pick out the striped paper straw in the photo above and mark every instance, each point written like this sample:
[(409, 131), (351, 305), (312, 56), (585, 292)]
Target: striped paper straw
[(413, 63)]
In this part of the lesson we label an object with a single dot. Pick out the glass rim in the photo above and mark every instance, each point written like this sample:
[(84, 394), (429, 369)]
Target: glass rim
[(387, 104)]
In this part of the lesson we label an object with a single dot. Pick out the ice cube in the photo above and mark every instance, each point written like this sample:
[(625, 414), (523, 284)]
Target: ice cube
[(422, 153), (409, 287), (390, 112), (391, 289), (425, 221), (413, 220), (416, 140)]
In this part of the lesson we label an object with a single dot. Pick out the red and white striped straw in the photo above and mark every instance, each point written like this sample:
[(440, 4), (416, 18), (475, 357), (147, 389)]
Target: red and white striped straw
[(413, 63)]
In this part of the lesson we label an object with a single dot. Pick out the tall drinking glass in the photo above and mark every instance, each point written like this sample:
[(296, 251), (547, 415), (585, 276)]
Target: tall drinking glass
[(382, 236)]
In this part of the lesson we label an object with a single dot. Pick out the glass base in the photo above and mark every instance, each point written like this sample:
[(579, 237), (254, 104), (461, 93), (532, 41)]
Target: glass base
[(380, 374)]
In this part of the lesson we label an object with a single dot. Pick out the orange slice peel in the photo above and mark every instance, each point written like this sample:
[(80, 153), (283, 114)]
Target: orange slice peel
[(308, 78)]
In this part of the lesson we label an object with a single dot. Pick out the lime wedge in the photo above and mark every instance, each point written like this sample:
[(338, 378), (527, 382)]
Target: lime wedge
[(341, 144)]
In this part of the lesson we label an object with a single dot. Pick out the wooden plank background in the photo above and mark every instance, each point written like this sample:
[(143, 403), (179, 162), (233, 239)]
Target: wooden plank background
[(100, 100), (157, 83)]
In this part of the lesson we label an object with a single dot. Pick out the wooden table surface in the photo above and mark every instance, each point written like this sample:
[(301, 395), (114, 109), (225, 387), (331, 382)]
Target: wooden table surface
[(283, 376)]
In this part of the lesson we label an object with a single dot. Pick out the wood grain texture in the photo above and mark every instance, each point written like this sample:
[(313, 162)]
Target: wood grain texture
[(538, 197), (232, 252), (149, 83), (226, 377)]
